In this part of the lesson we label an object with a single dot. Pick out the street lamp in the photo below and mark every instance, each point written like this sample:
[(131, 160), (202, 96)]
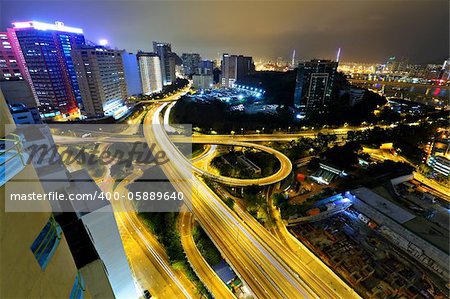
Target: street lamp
[(242, 131)]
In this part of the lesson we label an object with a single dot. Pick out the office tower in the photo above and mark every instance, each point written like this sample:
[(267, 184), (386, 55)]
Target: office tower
[(150, 71), (131, 69), (205, 67), (35, 259), (235, 67), (190, 62), (314, 85), (101, 79), (10, 67), (46, 52), (167, 62)]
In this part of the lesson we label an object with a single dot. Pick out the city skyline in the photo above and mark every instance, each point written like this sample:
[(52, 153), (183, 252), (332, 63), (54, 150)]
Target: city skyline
[(362, 30), (209, 149)]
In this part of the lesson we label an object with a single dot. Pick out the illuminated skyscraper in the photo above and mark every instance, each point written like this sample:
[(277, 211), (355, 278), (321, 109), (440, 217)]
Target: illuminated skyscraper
[(235, 67), (314, 85), (150, 70), (101, 79), (10, 67), (167, 62), (46, 52)]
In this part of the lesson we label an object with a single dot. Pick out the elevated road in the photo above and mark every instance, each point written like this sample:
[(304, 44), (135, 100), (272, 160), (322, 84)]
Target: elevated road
[(148, 260), (203, 270), (251, 253), (264, 275), (282, 173)]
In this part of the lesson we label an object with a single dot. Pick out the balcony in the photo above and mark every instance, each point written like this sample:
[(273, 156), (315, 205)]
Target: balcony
[(12, 157)]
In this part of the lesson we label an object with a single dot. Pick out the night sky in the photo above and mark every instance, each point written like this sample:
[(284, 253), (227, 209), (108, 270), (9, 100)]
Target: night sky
[(367, 31)]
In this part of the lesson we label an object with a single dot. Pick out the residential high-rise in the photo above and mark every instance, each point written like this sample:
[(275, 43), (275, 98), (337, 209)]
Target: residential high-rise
[(46, 52), (235, 67), (191, 62), (167, 62), (100, 75), (10, 67), (205, 67), (314, 85), (150, 71), (131, 69)]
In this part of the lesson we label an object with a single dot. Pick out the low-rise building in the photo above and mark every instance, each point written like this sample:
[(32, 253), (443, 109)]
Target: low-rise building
[(423, 240)]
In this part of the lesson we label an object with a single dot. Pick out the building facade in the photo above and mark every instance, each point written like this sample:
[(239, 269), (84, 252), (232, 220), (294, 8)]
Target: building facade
[(100, 74), (314, 85), (150, 72), (20, 99), (46, 52), (202, 81), (10, 67), (131, 70), (167, 62), (191, 62), (205, 67), (234, 68), (35, 257)]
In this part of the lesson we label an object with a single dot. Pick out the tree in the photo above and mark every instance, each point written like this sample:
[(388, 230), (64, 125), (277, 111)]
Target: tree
[(277, 199)]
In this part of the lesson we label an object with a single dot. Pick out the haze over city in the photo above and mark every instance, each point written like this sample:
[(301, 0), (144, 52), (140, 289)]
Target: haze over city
[(367, 31)]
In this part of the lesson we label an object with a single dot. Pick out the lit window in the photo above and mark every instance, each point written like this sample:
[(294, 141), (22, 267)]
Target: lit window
[(46, 243), (78, 288)]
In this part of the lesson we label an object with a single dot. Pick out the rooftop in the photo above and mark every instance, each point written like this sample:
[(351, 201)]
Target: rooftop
[(383, 205)]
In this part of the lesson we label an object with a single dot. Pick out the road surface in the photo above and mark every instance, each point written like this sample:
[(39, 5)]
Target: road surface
[(206, 274), (268, 273)]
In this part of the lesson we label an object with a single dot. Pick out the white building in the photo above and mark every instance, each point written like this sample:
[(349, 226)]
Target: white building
[(150, 71)]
